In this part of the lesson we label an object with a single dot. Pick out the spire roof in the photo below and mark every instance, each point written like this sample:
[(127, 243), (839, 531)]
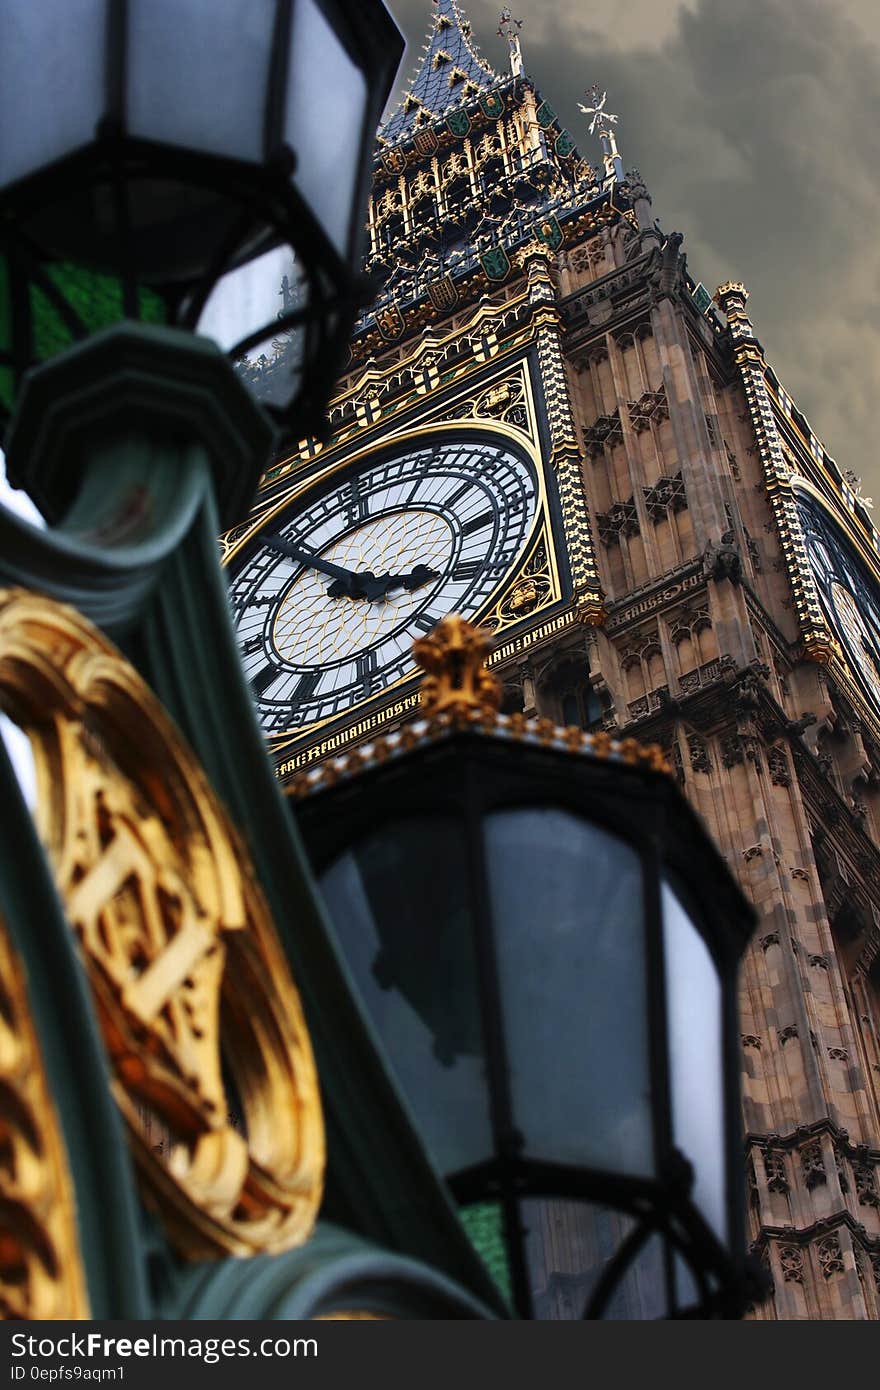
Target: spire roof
[(450, 70)]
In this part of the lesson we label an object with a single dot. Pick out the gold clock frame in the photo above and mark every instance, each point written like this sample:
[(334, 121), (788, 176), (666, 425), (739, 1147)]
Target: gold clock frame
[(537, 565)]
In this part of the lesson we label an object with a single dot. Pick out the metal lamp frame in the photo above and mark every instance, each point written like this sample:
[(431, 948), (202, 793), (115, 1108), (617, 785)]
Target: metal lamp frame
[(272, 212), (469, 775)]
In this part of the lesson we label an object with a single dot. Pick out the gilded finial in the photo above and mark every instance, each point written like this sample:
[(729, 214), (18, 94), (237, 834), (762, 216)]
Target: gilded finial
[(454, 655)]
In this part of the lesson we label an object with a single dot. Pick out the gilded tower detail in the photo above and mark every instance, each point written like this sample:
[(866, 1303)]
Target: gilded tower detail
[(546, 424)]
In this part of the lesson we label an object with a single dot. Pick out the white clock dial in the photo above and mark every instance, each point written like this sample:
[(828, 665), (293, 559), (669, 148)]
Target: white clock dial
[(328, 605), (850, 598)]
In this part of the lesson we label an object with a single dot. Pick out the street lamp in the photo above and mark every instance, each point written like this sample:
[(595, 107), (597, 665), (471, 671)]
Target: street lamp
[(547, 942), (194, 163)]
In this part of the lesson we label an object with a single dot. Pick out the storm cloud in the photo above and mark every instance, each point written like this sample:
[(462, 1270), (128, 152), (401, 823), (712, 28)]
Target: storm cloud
[(755, 125)]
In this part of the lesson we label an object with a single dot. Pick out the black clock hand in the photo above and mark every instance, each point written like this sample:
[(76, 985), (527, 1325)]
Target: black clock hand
[(349, 583), (346, 583), (418, 576)]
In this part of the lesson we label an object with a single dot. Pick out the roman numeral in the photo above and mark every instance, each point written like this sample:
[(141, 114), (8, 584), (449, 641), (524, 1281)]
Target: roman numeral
[(263, 679), (305, 687), (367, 664), (358, 506), (425, 622), (467, 569), (477, 523), (457, 495), (253, 644)]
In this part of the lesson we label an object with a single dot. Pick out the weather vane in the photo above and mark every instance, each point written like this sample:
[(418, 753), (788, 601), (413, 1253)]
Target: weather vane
[(601, 117), (508, 28), (508, 24), (601, 124)]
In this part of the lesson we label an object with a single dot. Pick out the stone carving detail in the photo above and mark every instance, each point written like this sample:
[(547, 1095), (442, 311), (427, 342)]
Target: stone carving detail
[(875, 1266), (732, 754), (771, 939), (750, 1040), (177, 944), (699, 754), (830, 1256), (777, 765), (41, 1275), (840, 1164), (819, 962), (813, 1164), (605, 430), (791, 1258), (866, 1184), (677, 762), (774, 1167), (722, 559), (786, 1034), (651, 407), (667, 495), (621, 519), (838, 1054)]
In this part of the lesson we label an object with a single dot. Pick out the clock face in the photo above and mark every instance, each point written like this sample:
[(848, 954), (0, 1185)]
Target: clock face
[(850, 598), (328, 605)]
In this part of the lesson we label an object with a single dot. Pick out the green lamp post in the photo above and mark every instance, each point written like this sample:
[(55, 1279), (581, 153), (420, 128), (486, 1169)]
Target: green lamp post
[(176, 157)]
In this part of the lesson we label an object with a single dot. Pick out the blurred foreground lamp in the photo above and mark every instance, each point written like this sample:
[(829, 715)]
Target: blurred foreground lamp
[(194, 163), (548, 942)]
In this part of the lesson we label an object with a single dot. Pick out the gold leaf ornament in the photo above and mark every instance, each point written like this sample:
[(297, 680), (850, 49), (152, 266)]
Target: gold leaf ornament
[(212, 1064), (41, 1273)]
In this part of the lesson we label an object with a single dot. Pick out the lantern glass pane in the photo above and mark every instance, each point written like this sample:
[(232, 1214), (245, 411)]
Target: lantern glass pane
[(567, 907), (399, 901), (641, 1291), (696, 1063), (687, 1291), (198, 72), (569, 1246), (251, 296), (484, 1224), (324, 120), (51, 81)]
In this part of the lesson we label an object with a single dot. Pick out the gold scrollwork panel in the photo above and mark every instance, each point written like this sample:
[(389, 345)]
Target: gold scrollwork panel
[(41, 1273), (212, 1064)]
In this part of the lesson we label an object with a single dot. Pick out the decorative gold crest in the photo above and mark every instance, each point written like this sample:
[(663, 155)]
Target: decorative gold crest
[(41, 1275), (212, 1065), (454, 656), (390, 322)]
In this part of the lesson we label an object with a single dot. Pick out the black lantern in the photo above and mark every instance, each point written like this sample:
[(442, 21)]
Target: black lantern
[(547, 943), (198, 163)]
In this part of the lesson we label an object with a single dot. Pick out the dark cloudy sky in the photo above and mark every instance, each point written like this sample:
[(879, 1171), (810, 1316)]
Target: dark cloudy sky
[(756, 124)]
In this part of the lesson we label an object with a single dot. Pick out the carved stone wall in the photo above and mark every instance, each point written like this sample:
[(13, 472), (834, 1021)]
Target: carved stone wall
[(764, 746)]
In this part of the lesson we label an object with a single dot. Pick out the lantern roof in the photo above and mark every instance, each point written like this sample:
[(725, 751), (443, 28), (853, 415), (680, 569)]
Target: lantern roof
[(459, 694)]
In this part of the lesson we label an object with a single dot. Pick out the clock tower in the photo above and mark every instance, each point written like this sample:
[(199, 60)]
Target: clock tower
[(547, 426)]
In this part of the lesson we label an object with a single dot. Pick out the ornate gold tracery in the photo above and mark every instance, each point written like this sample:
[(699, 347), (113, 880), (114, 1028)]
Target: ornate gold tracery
[(212, 1064), (41, 1275)]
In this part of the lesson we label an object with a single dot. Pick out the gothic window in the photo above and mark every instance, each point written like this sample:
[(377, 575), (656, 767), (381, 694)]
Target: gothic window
[(635, 680), (512, 701), (696, 648), (656, 668), (568, 696)]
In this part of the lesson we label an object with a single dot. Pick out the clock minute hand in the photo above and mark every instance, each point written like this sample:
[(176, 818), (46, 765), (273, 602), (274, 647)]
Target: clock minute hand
[(347, 584)]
